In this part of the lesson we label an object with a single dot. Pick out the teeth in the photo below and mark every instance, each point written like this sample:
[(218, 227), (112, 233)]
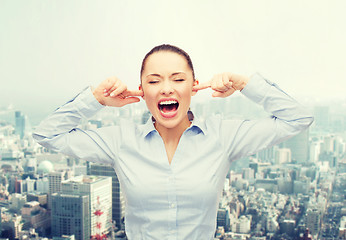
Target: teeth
[(168, 102)]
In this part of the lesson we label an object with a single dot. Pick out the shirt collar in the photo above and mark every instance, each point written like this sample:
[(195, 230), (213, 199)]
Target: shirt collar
[(149, 127)]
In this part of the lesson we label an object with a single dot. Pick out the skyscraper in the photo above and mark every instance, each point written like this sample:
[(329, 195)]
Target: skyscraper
[(118, 202), (315, 150), (98, 189), (299, 146), (223, 218), (20, 124), (71, 215), (321, 114), (54, 181), (313, 220), (266, 155), (283, 155)]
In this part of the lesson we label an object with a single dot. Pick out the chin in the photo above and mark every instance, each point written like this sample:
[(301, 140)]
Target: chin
[(173, 122), (167, 123)]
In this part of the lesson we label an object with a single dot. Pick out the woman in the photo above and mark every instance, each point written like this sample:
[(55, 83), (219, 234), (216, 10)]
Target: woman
[(172, 168)]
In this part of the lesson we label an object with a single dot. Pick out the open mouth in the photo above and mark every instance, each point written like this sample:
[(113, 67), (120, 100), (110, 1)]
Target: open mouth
[(168, 106)]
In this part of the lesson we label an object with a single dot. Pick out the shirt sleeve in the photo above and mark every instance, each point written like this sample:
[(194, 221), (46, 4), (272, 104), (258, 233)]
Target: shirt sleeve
[(59, 131), (287, 118)]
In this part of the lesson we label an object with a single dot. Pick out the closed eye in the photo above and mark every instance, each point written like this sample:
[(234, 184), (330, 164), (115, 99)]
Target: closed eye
[(153, 81), (179, 80)]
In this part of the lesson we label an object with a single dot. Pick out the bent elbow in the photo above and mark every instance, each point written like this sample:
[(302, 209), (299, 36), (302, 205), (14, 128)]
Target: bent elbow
[(38, 137), (310, 120), (305, 122), (42, 140)]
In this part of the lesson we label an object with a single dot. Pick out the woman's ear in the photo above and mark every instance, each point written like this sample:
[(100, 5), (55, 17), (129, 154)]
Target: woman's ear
[(141, 89), (195, 83)]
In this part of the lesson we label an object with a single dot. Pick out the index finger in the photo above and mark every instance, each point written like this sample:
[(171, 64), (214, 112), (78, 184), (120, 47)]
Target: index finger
[(134, 93), (201, 86)]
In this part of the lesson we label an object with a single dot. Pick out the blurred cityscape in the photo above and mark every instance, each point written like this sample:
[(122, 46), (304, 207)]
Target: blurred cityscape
[(294, 190)]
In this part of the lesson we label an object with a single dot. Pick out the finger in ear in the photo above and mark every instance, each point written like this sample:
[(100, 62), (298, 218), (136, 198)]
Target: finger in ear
[(140, 88), (196, 82)]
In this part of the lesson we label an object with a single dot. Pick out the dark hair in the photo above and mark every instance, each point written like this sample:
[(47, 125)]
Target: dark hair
[(169, 48)]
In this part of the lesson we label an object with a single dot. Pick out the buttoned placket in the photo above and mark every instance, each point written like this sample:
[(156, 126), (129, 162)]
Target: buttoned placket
[(172, 206), (172, 191)]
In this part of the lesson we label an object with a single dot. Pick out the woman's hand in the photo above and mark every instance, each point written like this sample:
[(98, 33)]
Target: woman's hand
[(224, 84), (113, 92)]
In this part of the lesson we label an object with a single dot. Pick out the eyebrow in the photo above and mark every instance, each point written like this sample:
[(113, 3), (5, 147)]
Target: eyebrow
[(158, 75)]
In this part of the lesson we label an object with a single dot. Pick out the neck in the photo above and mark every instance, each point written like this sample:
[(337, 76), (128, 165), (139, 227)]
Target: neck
[(173, 134)]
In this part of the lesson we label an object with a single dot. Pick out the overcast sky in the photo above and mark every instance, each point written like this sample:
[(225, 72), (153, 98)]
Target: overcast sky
[(50, 50)]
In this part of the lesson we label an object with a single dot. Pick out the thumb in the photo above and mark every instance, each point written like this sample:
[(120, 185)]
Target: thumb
[(223, 94)]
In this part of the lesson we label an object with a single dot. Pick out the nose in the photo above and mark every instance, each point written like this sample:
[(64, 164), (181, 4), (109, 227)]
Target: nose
[(167, 88)]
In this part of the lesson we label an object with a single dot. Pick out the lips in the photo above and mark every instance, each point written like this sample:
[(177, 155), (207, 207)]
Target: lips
[(168, 107)]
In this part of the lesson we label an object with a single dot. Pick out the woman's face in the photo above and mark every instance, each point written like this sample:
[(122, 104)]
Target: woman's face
[(167, 83)]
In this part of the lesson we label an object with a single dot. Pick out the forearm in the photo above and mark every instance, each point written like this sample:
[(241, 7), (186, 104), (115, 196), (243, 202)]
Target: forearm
[(287, 119), (60, 131), (276, 102), (67, 117)]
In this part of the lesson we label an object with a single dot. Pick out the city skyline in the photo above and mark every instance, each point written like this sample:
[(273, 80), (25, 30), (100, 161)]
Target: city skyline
[(278, 192)]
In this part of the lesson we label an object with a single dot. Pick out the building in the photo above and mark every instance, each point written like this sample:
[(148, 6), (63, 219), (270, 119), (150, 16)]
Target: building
[(17, 202), (322, 115), (55, 179), (118, 202), (35, 217), (315, 149), (248, 174), (81, 197), (223, 219), (11, 226), (42, 185), (342, 228), (267, 155), (65, 237), (329, 157), (271, 224), (30, 185), (287, 226), (301, 186), (0, 221), (38, 197), (313, 221), (299, 146), (29, 234), (71, 216), (242, 225), (285, 185), (283, 155), (45, 167), (20, 124), (270, 185), (328, 144)]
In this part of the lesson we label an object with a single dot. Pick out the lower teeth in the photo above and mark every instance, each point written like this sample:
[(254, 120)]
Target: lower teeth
[(165, 112)]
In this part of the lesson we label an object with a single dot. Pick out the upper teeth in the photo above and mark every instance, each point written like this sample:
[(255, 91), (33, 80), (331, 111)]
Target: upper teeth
[(168, 102)]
